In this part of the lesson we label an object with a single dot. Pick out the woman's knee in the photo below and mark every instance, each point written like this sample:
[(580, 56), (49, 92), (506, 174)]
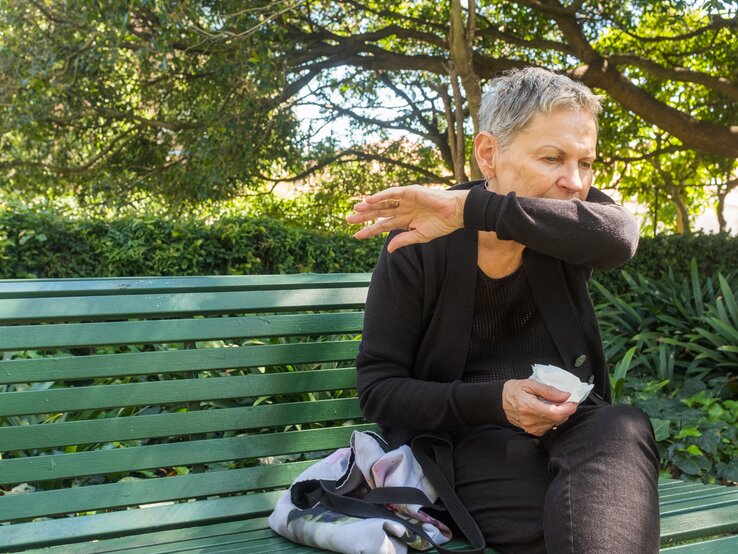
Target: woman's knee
[(626, 431)]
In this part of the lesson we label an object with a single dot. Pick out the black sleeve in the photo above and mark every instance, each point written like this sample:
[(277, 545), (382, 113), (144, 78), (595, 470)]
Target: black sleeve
[(390, 390), (596, 233)]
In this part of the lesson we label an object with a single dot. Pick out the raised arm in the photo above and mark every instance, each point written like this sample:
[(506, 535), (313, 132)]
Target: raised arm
[(596, 232)]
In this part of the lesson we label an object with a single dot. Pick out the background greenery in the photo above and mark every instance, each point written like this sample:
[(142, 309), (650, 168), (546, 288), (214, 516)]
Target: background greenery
[(42, 243), (185, 102)]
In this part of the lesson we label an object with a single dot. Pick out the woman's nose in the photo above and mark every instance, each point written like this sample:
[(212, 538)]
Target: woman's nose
[(571, 180)]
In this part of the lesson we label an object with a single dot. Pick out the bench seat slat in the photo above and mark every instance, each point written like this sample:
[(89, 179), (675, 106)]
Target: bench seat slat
[(35, 337), (169, 392), (101, 462), (174, 361), (175, 424), (147, 491), (704, 493), (696, 504), (723, 545), (183, 514), (44, 288), (165, 541), (699, 523), (174, 305)]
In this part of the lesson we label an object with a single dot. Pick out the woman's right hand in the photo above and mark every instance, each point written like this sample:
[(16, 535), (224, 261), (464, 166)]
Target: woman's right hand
[(534, 407)]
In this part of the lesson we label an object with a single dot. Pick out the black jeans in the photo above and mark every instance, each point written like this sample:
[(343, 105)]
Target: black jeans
[(590, 486)]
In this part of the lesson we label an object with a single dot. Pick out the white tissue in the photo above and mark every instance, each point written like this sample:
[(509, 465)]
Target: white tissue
[(562, 380)]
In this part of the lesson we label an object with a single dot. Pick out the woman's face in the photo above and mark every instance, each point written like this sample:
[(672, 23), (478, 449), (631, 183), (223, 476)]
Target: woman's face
[(551, 158)]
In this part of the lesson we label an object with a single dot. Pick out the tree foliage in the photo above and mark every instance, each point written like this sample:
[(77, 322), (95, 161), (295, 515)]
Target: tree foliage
[(196, 99)]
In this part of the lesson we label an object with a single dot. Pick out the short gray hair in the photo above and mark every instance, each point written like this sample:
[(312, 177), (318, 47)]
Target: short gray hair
[(513, 99)]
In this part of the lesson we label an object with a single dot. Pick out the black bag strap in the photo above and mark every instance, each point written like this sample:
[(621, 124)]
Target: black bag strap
[(438, 467), (307, 494)]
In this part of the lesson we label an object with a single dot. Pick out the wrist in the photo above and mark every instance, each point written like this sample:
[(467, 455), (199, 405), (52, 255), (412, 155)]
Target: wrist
[(459, 197)]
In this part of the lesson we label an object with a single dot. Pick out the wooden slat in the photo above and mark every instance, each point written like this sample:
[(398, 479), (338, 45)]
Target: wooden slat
[(44, 288), (173, 391), (84, 528), (147, 491), (166, 541), (723, 545), (165, 425), (95, 308), (696, 504), (173, 361), (699, 523), (36, 337), (121, 460), (704, 493)]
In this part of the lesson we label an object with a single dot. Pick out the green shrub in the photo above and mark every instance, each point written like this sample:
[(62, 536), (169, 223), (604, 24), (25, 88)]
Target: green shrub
[(40, 244), (696, 427), (36, 242), (656, 257)]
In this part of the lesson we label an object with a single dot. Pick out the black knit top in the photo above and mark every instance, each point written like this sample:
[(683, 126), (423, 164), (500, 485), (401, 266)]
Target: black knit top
[(508, 331)]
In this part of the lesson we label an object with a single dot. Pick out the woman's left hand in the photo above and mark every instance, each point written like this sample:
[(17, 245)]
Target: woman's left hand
[(425, 213)]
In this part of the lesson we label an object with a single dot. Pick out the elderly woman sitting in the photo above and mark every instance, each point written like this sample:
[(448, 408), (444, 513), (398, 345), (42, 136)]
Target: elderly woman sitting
[(477, 284)]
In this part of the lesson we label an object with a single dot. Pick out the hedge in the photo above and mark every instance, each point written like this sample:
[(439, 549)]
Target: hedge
[(42, 244)]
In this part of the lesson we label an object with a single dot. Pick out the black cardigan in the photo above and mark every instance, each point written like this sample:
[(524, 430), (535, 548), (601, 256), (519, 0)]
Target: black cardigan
[(420, 305)]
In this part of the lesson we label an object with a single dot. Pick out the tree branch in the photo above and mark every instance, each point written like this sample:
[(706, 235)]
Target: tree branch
[(719, 84)]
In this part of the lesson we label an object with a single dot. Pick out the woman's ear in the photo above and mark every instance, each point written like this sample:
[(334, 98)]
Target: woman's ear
[(485, 150)]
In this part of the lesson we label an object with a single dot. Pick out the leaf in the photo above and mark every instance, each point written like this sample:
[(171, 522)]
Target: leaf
[(660, 428), (709, 441), (729, 471), (690, 464), (688, 432)]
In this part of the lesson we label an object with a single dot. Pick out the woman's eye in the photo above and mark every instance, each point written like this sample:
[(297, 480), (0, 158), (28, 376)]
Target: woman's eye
[(585, 165), (551, 158)]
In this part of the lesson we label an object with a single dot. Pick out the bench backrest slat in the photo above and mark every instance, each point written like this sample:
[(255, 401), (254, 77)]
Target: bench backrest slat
[(175, 424), (91, 308), (45, 288), (173, 361), (166, 392), (147, 491), (30, 337), (121, 460)]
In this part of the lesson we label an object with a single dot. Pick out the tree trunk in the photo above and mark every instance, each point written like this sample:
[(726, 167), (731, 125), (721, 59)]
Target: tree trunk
[(460, 39)]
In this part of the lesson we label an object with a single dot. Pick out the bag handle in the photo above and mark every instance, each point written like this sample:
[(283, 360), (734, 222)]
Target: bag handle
[(439, 470)]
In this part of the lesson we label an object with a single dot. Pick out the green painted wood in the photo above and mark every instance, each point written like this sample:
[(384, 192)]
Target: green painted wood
[(164, 540), (173, 361), (245, 542), (84, 528), (174, 391), (685, 488), (44, 288), (701, 523), (708, 492), (175, 424), (147, 491), (697, 504), (723, 545), (19, 310), (102, 462), (36, 337)]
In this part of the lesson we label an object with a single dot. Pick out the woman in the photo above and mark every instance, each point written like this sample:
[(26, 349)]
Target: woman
[(487, 279)]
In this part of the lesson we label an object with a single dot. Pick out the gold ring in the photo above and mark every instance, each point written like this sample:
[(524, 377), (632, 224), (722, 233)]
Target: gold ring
[(393, 203)]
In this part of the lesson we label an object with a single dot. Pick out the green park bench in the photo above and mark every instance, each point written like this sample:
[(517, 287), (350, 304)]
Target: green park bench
[(169, 414)]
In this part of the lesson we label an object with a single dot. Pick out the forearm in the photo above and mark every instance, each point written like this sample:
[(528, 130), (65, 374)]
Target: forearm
[(401, 401), (598, 234)]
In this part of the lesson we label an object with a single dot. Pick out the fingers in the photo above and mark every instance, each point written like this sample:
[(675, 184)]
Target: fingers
[(546, 392), (382, 226), (526, 408)]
